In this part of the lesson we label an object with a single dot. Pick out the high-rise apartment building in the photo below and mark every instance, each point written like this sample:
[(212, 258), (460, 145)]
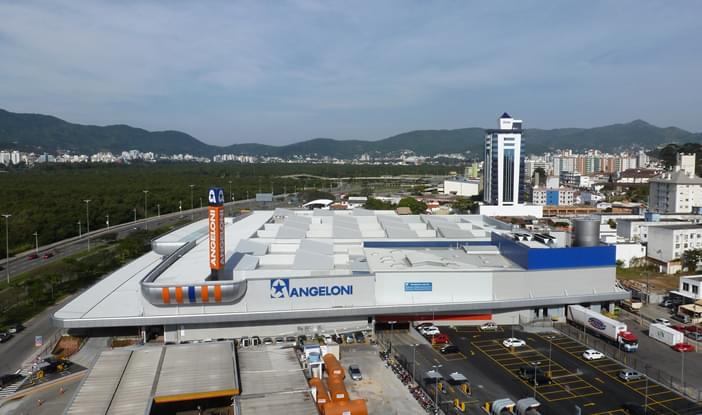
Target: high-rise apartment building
[(504, 167)]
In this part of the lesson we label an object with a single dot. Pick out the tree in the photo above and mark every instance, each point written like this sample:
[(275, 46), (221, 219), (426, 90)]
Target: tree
[(417, 207), (542, 176), (377, 204), (691, 258), (612, 224), (462, 205)]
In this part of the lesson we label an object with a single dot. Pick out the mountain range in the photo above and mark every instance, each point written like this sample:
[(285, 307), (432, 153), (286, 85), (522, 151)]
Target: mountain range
[(44, 133)]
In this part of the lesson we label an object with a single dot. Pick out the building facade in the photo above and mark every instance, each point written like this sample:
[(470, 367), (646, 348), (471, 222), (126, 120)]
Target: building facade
[(667, 243), (504, 167), (553, 197), (675, 192)]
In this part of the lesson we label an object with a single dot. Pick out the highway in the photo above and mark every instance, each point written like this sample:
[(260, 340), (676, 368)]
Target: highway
[(22, 263)]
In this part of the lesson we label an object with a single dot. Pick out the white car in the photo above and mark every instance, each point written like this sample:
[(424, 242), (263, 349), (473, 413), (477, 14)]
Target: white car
[(490, 325), (430, 331), (591, 354), (513, 342), (663, 321)]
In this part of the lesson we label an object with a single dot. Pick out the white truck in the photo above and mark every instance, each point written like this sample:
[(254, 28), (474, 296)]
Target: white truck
[(603, 326), (665, 334)]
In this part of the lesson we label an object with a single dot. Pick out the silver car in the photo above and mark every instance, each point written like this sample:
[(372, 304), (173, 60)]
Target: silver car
[(629, 375), (355, 372)]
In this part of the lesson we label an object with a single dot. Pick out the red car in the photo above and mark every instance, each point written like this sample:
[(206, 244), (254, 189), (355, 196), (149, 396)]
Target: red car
[(693, 329), (683, 347), (679, 327), (440, 339), (48, 255), (32, 256)]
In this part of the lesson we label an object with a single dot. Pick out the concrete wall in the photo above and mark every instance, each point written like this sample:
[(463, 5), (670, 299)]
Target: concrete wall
[(548, 283), (446, 287)]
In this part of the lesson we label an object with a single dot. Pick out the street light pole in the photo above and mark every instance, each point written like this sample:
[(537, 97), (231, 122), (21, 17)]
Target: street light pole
[(414, 360), (392, 325), (80, 230), (436, 389), (158, 209), (134, 215), (36, 242), (146, 209), (192, 215), (7, 245), (107, 221), (87, 219)]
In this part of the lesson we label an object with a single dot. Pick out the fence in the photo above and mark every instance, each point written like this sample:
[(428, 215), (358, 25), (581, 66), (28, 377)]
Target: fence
[(632, 361)]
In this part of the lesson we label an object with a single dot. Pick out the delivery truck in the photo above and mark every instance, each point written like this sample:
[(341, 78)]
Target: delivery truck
[(665, 334), (605, 327), (632, 305)]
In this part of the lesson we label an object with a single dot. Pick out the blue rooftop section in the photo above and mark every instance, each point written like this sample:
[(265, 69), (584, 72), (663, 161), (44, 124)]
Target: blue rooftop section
[(554, 258)]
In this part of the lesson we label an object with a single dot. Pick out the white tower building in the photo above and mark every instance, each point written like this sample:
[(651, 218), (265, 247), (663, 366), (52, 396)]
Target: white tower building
[(504, 164)]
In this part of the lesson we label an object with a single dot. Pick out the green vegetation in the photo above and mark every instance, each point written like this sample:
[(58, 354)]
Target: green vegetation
[(377, 204), (30, 293), (690, 258), (49, 199), (668, 154), (463, 205), (413, 204)]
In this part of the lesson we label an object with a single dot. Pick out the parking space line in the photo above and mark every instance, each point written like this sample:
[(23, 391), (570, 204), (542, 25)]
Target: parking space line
[(611, 369)]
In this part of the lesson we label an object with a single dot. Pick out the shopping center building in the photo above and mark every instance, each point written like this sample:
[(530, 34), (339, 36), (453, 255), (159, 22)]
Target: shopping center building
[(288, 272)]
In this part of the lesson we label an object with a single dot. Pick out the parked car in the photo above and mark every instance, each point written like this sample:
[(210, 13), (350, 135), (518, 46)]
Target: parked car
[(267, 340), (5, 337), (279, 340), (48, 255), (32, 256), (490, 325), (634, 409), (430, 331), (629, 375), (440, 338), (592, 354), (355, 372), (679, 327), (9, 379), (683, 347), (682, 318), (693, 329), (16, 329), (663, 321), (534, 375), (290, 339), (421, 325), (694, 336), (449, 348), (513, 342)]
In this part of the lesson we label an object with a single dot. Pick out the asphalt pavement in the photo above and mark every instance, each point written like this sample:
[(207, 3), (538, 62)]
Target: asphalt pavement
[(492, 369)]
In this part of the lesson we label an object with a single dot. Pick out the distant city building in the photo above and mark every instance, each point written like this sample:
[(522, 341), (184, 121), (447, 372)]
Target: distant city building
[(675, 192), (553, 197), (686, 163), (462, 187), (503, 170), (637, 176)]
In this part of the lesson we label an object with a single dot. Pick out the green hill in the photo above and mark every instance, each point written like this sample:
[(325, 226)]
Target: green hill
[(39, 133)]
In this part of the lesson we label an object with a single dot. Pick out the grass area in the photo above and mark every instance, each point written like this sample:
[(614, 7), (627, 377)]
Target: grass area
[(34, 291), (650, 275)]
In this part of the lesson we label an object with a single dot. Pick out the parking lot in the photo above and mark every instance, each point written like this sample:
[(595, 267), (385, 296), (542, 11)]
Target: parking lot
[(492, 370), (384, 391)]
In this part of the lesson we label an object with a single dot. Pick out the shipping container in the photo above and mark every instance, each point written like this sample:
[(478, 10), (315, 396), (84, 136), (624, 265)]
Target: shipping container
[(355, 407), (337, 390), (322, 393), (332, 366), (665, 334)]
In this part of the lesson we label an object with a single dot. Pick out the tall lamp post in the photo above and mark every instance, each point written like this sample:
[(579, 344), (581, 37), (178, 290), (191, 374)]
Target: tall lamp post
[(36, 242), (436, 389), (392, 326), (80, 230), (107, 221), (192, 215), (87, 220), (7, 245), (414, 360), (146, 209)]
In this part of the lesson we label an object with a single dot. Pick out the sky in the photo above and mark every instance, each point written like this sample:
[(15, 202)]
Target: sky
[(277, 72)]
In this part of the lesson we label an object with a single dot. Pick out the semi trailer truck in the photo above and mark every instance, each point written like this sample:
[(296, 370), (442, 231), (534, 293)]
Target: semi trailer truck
[(603, 326)]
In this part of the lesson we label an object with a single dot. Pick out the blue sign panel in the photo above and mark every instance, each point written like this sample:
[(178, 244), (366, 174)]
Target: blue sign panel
[(417, 286), (215, 196)]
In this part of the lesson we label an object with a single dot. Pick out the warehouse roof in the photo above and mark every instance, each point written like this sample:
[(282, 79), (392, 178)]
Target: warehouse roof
[(124, 381), (272, 380)]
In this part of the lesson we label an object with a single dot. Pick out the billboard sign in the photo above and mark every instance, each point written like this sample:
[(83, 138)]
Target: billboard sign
[(282, 288), (264, 197), (418, 286), (215, 196), (215, 229)]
